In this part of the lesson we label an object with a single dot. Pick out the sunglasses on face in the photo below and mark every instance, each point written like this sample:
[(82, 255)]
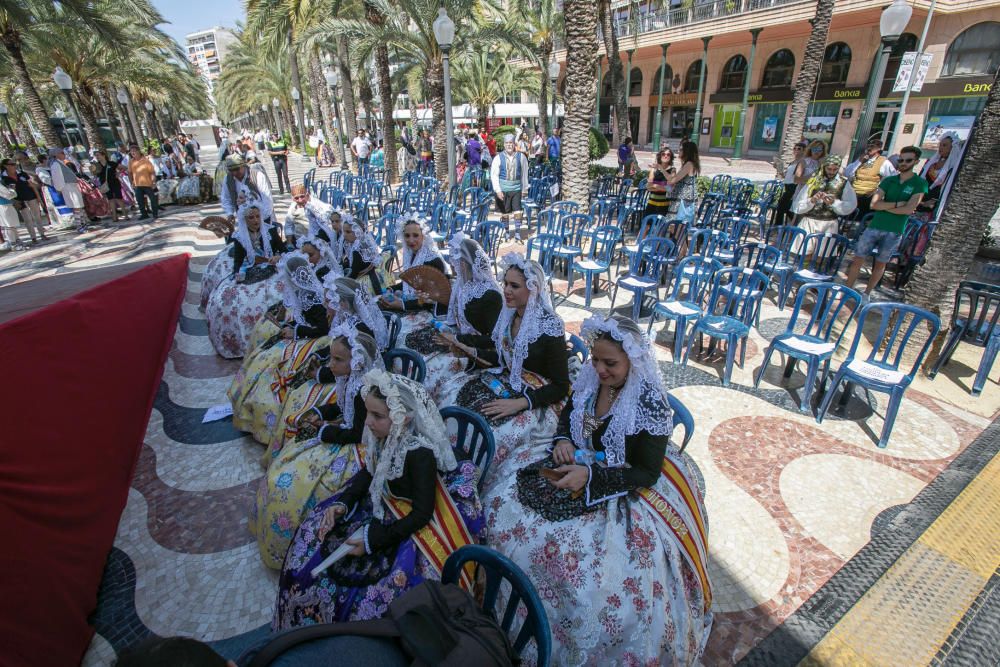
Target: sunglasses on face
[(904, 160), (816, 149), (798, 148)]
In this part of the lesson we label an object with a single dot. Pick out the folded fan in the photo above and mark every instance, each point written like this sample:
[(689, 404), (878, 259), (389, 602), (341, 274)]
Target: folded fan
[(430, 280)]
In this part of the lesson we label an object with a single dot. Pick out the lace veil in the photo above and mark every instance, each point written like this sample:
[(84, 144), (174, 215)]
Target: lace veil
[(326, 256), (416, 423), (642, 404), (242, 233), (348, 297), (427, 253), (364, 243), (364, 357), (301, 288), (540, 318), (464, 250)]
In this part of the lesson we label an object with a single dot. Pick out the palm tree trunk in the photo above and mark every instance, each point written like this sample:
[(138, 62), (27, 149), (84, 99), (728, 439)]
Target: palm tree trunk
[(412, 98), (366, 95), (375, 17), (320, 114), (293, 62), (435, 95), (12, 42), (133, 118), (545, 55), (616, 73), (110, 112), (581, 57), (347, 95), (319, 83), (84, 102), (973, 200), (805, 83)]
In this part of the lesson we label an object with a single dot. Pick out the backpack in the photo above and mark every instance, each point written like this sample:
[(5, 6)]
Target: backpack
[(435, 624)]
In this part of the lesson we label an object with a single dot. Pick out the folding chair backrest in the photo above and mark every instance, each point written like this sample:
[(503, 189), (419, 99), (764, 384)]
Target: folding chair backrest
[(736, 292), (833, 305), (603, 242), (542, 245), (824, 253), (897, 323), (696, 273), (784, 237), (978, 304)]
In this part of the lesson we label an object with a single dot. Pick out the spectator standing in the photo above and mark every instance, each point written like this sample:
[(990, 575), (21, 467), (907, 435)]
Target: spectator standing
[(142, 174), (555, 148), (509, 176), (110, 186), (894, 201), (867, 172), (361, 148), (66, 181), (538, 148), (474, 150), (278, 150), (781, 211), (378, 157), (27, 199), (626, 157), (8, 218), (491, 144)]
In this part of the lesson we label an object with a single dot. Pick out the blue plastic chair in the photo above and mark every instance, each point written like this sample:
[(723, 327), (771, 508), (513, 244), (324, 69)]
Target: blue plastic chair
[(544, 246), (411, 364), (394, 323), (736, 297), (697, 272), (816, 343), (879, 370), (571, 229), (787, 239), (682, 415), (635, 204), (819, 261), (645, 272), (578, 347), (499, 568), (490, 235), (474, 438), (706, 241), (651, 225), (974, 321), (598, 260)]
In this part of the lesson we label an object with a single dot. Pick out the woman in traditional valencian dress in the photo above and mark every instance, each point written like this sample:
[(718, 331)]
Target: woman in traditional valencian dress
[(256, 403), (189, 189), (313, 467), (528, 375), (312, 386), (409, 497), (241, 299), (476, 302), (616, 543), (361, 257)]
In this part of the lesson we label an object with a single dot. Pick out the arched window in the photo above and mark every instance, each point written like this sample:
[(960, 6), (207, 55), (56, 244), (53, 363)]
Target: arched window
[(836, 64), (635, 83), (693, 76), (668, 77), (734, 74), (975, 51), (778, 70), (907, 42)]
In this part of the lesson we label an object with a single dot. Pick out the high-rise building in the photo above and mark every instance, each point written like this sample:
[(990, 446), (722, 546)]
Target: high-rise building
[(206, 49)]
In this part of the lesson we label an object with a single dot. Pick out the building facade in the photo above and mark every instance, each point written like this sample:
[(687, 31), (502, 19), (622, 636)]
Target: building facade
[(963, 41), (206, 49)]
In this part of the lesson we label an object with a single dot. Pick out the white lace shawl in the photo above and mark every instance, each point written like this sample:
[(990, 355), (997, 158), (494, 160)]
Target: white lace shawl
[(318, 212), (301, 288), (951, 162), (364, 243), (326, 256), (416, 423), (642, 404), (540, 319), (428, 251), (346, 217), (360, 305), (464, 249), (242, 233), (362, 361)]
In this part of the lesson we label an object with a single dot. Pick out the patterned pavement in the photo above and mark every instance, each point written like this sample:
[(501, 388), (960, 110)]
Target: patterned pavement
[(806, 519)]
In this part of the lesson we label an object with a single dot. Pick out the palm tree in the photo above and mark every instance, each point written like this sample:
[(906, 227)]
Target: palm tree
[(581, 58), (973, 200), (616, 72), (384, 78), (482, 79), (543, 21), (805, 82)]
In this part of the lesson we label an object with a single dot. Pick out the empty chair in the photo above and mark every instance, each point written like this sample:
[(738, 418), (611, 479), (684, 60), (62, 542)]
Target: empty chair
[(490, 235), (394, 323), (787, 239), (822, 255), (578, 347), (411, 364), (500, 569), (571, 229), (541, 248), (598, 260), (685, 304), (707, 242), (645, 272), (651, 225), (682, 415), (736, 296), (879, 370), (473, 438), (818, 340), (974, 321)]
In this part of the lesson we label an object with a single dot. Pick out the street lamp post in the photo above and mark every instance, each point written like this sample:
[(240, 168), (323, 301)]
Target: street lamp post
[(444, 33), (332, 78), (701, 89), (6, 121), (131, 122), (913, 76), (65, 84), (279, 126), (553, 77), (297, 97), (659, 100), (891, 25), (738, 144), (61, 117), (597, 105)]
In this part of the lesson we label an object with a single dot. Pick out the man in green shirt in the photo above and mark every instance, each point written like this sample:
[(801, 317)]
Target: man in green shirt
[(279, 156), (894, 202)]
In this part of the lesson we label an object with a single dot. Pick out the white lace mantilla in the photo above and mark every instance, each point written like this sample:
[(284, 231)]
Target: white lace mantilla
[(463, 249)]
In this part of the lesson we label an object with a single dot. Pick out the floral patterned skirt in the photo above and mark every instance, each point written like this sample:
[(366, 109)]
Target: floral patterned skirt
[(441, 364), (518, 433), (217, 270), (267, 327), (303, 394), (189, 190), (361, 587), (233, 310), (306, 473), (612, 597), (260, 386), (166, 188)]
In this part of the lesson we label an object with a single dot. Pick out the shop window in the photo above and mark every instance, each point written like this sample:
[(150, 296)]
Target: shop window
[(734, 74), (635, 83), (821, 121), (907, 42), (951, 114), (693, 76), (768, 124), (668, 77), (975, 51), (836, 64), (778, 70)]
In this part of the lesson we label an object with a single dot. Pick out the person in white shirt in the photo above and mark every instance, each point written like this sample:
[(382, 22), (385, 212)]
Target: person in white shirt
[(65, 180), (538, 145), (361, 147), (243, 186), (317, 213), (509, 175), (260, 138)]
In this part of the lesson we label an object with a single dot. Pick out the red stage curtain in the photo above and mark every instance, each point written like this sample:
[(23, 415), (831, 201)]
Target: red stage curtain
[(78, 383)]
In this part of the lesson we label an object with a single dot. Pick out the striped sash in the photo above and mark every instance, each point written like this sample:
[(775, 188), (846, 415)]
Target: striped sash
[(444, 534), (319, 394), (688, 530), (295, 354)]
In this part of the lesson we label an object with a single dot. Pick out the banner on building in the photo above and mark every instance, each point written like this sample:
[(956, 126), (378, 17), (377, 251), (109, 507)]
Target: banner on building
[(906, 71)]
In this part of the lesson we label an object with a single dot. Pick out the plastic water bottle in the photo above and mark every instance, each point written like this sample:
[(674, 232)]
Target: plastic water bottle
[(388, 295), (443, 327), (495, 385), (585, 457)]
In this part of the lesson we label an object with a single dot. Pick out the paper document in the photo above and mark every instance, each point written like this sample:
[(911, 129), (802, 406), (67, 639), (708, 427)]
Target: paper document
[(217, 412)]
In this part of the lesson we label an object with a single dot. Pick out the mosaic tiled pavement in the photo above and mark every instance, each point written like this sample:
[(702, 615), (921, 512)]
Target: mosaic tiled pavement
[(824, 548)]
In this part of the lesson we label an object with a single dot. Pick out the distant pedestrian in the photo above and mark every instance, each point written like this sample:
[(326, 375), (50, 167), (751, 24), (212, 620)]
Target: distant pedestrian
[(142, 174), (278, 150), (65, 179), (626, 158), (555, 148)]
